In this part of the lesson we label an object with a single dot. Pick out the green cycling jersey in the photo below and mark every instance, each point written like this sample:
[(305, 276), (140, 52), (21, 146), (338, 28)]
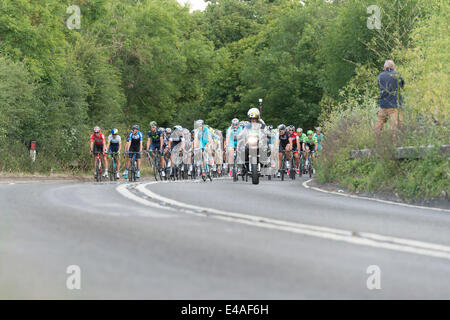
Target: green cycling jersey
[(313, 140)]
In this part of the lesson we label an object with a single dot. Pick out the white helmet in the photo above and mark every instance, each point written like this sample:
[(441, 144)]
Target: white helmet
[(253, 113)]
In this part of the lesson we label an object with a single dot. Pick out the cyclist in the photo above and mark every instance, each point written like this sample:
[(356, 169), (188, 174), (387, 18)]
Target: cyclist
[(154, 138), (202, 140), (284, 144), (309, 144), (319, 137), (230, 143), (176, 141), (114, 146), (295, 143), (98, 145), (134, 145)]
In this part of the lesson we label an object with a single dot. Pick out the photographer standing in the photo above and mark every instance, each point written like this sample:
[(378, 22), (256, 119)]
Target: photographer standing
[(390, 83)]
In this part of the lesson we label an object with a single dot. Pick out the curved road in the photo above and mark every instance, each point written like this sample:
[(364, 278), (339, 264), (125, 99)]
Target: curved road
[(219, 240)]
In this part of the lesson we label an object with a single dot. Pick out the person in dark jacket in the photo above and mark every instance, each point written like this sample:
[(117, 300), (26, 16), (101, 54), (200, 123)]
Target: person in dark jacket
[(390, 83)]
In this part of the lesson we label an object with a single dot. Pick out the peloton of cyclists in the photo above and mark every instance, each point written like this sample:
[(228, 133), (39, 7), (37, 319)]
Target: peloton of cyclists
[(164, 143)]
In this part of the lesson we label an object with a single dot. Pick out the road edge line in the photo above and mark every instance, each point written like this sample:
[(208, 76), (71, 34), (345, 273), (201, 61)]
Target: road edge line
[(305, 185)]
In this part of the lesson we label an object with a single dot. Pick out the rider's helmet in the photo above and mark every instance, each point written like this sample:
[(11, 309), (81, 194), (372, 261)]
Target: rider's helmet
[(135, 127), (299, 130), (168, 130), (281, 127), (199, 123), (235, 122), (114, 131), (291, 128), (269, 127), (242, 123), (310, 133), (153, 124), (175, 128), (193, 131), (253, 113), (96, 129), (318, 129), (246, 123), (161, 130)]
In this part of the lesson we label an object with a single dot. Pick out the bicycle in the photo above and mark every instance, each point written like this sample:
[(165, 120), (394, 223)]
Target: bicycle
[(98, 167), (205, 170), (283, 166), (154, 158), (178, 167), (113, 166), (133, 167), (310, 169)]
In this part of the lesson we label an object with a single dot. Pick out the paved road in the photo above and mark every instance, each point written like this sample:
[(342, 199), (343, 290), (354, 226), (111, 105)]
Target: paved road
[(130, 249)]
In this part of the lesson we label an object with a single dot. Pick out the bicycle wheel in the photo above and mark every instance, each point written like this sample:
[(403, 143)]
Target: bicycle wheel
[(156, 171), (292, 169), (96, 175)]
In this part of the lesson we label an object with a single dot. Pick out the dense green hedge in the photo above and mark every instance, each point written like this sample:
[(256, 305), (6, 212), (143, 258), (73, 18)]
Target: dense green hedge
[(136, 61)]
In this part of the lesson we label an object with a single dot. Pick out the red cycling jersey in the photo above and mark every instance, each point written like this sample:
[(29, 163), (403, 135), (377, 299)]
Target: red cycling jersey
[(98, 140), (294, 136)]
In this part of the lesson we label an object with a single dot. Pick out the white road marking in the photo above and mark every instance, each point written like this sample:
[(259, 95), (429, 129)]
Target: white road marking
[(305, 184), (359, 238)]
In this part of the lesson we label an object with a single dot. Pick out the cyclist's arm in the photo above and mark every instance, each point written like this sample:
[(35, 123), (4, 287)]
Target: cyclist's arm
[(148, 143), (127, 146), (161, 143), (92, 146)]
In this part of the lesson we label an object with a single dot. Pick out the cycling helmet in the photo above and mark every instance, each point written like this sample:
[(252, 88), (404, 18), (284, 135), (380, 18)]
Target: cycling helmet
[(168, 130), (299, 130), (281, 127), (269, 127), (135, 127), (235, 121), (310, 133), (114, 131), (161, 130), (96, 129), (253, 113), (199, 123), (246, 123), (175, 128), (318, 129), (291, 127), (153, 124), (242, 123), (192, 131)]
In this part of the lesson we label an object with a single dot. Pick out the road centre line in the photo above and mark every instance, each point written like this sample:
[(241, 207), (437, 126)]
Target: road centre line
[(359, 238)]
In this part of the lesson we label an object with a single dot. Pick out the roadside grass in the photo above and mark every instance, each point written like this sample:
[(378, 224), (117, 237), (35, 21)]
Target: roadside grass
[(412, 179)]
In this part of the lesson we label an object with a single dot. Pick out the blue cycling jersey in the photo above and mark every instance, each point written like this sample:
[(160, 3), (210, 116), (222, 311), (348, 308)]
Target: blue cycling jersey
[(204, 136), (135, 140), (232, 134)]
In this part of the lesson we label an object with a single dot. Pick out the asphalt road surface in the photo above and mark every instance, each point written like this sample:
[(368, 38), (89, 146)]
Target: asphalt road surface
[(220, 240)]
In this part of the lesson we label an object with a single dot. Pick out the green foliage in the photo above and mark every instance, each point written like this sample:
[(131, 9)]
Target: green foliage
[(134, 61)]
